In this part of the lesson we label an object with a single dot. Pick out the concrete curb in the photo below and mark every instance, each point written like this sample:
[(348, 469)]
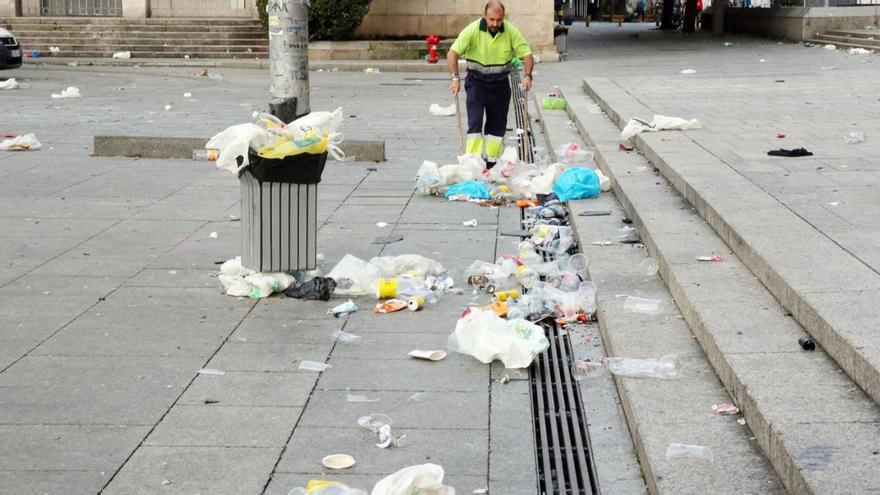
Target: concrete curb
[(314, 65), (757, 359), (182, 147)]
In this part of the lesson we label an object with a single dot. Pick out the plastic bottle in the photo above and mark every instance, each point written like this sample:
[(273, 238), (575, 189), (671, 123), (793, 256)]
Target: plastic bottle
[(666, 368), (398, 287), (202, 154), (526, 276), (527, 253)]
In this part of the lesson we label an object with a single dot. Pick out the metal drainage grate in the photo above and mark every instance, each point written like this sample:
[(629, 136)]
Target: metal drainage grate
[(527, 140), (564, 458), (565, 463)]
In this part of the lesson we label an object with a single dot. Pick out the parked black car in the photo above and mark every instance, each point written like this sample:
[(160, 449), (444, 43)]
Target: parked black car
[(10, 51)]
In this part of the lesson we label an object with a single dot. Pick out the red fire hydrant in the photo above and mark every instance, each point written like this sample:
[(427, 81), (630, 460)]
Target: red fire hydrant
[(432, 41)]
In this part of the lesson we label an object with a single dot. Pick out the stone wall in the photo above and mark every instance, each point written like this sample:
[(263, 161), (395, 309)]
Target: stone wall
[(794, 23), (419, 18)]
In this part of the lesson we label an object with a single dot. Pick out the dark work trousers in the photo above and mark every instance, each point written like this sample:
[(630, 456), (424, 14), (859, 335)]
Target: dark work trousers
[(489, 98)]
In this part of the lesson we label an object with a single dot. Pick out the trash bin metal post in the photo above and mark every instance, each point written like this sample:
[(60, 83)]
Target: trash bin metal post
[(289, 58)]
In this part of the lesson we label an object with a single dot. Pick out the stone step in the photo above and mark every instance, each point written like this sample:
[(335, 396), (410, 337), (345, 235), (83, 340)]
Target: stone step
[(863, 33), (164, 35), (137, 55), (163, 21), (102, 28), (71, 43), (837, 39), (658, 412), (818, 429), (844, 44), (157, 50)]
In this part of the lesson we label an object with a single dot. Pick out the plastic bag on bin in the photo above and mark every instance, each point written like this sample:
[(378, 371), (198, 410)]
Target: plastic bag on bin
[(576, 183), (235, 142), (424, 479), (487, 337)]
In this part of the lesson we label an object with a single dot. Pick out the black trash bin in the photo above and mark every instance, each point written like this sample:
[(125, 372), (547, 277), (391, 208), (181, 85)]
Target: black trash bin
[(279, 212)]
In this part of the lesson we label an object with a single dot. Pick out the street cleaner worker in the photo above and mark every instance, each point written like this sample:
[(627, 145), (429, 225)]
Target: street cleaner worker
[(489, 45)]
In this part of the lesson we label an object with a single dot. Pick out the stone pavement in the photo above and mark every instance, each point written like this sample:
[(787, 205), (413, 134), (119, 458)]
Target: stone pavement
[(111, 302)]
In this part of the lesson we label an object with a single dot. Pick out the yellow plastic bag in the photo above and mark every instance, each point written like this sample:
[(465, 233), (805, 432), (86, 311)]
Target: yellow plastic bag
[(312, 143)]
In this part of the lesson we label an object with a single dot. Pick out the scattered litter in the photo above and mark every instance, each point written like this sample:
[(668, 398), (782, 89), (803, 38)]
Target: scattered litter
[(419, 397), (666, 368), (211, 371), (834, 203), (10, 83), (390, 306), (54, 49), (790, 153), (343, 309), (636, 126), (725, 409), (624, 147), (594, 213), (470, 223), (684, 450), (353, 276), (122, 55), (168, 108), (855, 137), (467, 190), (780, 135), (316, 289), (371, 70), (649, 267), (741, 421), (425, 479), (213, 235), (728, 44), (762, 60), (689, 71), (503, 380), (70, 92), (582, 369), (487, 337), (350, 397), (239, 281), (427, 355), (859, 51), (709, 258), (415, 303), (381, 225), (338, 461), (314, 366), (807, 343), (345, 337), (552, 103), (830, 47), (577, 183), (187, 95), (634, 304), (380, 424), (388, 239), (829, 67), (438, 111), (25, 142)]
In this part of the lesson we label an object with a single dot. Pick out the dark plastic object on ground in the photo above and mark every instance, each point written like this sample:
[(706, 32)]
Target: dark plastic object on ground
[(389, 239), (304, 168), (790, 153), (318, 289), (807, 343)]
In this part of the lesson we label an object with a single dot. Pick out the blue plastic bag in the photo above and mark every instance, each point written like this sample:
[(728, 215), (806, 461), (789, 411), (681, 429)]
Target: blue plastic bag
[(472, 189), (576, 183)]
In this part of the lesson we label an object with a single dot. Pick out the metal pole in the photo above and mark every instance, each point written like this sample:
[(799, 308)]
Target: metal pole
[(289, 58)]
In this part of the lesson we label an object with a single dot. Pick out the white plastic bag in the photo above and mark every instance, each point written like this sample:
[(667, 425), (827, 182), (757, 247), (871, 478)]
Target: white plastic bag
[(428, 178), (487, 337), (424, 479), (70, 92), (353, 276), (122, 55), (438, 111), (235, 141), (636, 126), (21, 143), (543, 184), (327, 122), (411, 265), (10, 83), (239, 281)]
